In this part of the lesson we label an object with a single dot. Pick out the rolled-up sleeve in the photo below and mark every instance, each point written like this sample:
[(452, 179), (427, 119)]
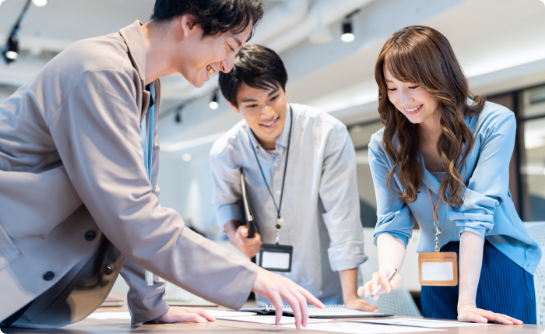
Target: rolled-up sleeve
[(393, 215), (227, 188), (339, 195), (489, 185)]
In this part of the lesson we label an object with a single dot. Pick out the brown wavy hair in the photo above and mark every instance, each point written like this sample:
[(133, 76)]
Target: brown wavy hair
[(423, 56)]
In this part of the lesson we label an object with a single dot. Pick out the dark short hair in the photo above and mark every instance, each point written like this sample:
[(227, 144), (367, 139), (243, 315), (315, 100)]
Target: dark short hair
[(213, 16), (258, 67)]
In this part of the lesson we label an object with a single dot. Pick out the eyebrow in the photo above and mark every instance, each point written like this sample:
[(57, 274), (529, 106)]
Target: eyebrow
[(388, 80), (249, 99)]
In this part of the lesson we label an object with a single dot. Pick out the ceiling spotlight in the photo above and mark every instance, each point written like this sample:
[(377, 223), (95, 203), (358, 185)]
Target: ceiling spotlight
[(214, 103), (320, 35), (348, 35), (11, 50), (186, 157), (39, 3)]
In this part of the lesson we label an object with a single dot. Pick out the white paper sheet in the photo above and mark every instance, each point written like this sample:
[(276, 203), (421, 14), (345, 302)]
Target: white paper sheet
[(359, 328), (268, 319), (216, 313), (110, 315), (421, 323)]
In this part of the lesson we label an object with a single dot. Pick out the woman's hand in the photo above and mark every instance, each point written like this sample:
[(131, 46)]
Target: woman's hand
[(184, 314), (380, 278), (470, 313)]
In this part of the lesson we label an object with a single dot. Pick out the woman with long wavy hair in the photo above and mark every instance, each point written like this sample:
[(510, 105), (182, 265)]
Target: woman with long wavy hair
[(442, 159)]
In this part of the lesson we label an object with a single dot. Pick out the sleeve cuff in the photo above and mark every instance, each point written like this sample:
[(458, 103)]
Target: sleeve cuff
[(400, 236), (478, 231), (161, 309), (346, 256), (229, 212)]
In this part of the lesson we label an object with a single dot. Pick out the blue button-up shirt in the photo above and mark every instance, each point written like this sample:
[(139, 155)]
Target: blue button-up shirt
[(320, 206), (488, 209)]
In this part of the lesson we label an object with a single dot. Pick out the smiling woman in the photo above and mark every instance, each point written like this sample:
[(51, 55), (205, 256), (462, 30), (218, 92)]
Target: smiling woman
[(442, 145)]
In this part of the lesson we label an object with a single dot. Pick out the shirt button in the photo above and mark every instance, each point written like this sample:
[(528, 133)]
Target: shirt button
[(90, 235), (108, 270), (48, 276)]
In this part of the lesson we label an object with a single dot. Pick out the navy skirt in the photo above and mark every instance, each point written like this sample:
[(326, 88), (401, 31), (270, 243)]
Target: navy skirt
[(504, 287)]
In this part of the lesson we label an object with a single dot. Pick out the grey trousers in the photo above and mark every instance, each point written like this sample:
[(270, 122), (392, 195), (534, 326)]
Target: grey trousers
[(75, 295)]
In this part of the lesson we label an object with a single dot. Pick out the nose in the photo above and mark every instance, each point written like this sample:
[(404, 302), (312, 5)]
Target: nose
[(267, 113), (227, 65), (404, 97)]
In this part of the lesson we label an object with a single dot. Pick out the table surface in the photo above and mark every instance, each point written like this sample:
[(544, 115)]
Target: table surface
[(115, 326)]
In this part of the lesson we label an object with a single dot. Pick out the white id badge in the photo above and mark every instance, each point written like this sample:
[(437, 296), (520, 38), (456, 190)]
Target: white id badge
[(438, 269), (275, 257)]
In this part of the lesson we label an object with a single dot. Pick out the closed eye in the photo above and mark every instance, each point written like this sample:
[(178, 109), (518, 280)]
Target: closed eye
[(274, 97), (413, 87)]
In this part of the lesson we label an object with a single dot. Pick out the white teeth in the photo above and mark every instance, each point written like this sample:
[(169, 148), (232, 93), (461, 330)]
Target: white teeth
[(270, 124), (413, 109), (210, 70)]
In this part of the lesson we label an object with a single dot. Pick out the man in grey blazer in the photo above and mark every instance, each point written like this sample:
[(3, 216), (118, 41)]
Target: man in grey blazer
[(78, 171)]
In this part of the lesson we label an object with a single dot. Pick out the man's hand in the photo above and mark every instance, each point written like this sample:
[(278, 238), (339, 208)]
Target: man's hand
[(184, 314), (360, 305), (275, 287), (349, 279), (238, 235)]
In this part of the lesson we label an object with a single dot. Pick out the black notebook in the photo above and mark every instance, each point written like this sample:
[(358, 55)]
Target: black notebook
[(248, 213)]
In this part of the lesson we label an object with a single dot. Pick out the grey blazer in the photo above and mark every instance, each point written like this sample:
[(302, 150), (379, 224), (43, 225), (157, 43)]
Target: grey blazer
[(71, 161)]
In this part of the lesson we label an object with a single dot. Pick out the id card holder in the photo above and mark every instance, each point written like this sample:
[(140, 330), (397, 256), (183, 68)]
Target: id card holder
[(275, 257), (438, 269)]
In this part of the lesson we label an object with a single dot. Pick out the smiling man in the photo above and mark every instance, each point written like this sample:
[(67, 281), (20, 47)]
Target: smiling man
[(300, 166), (79, 201)]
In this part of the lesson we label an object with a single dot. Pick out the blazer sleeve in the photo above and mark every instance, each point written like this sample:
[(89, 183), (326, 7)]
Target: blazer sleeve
[(145, 301), (393, 215), (97, 134), (488, 186), (339, 196)]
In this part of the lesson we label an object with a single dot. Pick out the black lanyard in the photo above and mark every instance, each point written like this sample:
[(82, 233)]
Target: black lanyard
[(278, 225)]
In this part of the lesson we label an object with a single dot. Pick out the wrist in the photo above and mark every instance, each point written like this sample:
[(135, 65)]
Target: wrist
[(351, 297), (464, 304)]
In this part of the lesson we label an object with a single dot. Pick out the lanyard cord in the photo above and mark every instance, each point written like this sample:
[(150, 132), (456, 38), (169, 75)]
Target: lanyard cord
[(436, 229), (278, 207)]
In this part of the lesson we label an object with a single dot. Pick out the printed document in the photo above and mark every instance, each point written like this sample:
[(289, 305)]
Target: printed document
[(359, 328), (420, 323)]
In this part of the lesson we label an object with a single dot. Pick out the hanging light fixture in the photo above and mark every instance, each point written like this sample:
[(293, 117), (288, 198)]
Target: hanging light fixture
[(11, 50), (178, 116), (348, 34), (347, 28), (214, 102)]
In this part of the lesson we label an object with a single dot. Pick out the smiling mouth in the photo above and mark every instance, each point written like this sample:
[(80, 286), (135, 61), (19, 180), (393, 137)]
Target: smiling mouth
[(270, 124), (413, 110)]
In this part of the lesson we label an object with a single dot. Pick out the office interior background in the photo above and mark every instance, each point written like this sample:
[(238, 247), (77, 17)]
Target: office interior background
[(499, 43)]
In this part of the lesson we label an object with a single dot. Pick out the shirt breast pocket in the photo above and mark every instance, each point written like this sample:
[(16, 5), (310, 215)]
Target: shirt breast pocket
[(8, 251)]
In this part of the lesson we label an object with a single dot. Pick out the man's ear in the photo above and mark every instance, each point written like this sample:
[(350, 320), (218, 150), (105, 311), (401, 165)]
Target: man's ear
[(235, 109), (187, 25)]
